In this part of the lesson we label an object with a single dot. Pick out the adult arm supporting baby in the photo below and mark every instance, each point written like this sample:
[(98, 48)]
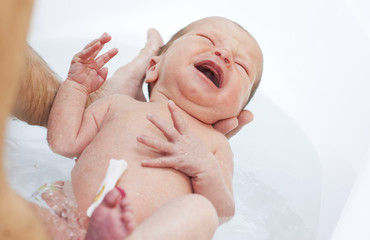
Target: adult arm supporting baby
[(39, 84)]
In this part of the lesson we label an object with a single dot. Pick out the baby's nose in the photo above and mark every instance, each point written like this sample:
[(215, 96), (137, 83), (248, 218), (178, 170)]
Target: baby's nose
[(224, 55)]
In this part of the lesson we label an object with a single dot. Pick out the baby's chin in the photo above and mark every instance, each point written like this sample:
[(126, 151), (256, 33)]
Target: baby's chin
[(209, 120), (209, 116)]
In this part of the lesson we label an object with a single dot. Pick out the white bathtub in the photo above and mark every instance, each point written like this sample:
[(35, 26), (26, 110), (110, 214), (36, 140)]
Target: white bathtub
[(277, 196), (297, 162)]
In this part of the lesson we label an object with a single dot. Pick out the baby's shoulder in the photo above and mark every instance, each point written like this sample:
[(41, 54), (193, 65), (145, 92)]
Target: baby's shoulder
[(217, 140), (223, 150), (120, 100), (113, 103), (222, 142)]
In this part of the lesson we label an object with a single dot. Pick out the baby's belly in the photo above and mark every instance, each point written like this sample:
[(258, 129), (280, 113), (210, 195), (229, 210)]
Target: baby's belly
[(147, 188)]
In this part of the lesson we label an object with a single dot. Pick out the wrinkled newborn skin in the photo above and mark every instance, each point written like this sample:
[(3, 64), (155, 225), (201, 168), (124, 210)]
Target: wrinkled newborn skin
[(147, 188)]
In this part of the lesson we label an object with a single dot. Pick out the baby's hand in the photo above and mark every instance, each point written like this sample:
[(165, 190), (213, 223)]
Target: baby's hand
[(183, 150), (88, 70)]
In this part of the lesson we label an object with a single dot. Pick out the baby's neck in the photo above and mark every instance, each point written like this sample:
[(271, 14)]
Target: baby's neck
[(190, 119), (159, 98)]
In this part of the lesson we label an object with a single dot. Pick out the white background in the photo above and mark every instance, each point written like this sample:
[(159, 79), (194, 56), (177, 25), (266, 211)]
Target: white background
[(317, 65)]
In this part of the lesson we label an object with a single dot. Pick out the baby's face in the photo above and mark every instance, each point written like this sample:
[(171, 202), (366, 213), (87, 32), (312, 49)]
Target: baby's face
[(209, 71)]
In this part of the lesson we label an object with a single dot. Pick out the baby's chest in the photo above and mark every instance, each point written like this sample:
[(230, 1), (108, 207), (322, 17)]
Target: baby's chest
[(207, 138)]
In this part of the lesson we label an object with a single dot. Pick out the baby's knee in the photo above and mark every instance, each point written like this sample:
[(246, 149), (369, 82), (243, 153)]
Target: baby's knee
[(204, 209)]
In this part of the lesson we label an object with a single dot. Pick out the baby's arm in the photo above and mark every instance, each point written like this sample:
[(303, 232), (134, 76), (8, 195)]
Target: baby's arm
[(70, 127), (186, 153)]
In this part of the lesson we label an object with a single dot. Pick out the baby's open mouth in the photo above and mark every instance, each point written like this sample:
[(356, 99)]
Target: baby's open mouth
[(211, 71)]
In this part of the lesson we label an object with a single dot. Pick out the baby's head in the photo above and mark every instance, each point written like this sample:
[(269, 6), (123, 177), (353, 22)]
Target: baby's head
[(210, 69)]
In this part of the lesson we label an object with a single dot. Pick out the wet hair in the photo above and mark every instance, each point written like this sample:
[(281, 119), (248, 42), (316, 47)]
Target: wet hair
[(177, 35), (183, 31)]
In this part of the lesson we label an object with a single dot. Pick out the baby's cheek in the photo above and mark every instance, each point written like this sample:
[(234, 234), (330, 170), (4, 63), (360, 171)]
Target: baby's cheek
[(234, 103)]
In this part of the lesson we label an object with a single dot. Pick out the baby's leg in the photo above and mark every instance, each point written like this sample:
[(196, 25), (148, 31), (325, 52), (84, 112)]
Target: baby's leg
[(188, 217), (112, 219)]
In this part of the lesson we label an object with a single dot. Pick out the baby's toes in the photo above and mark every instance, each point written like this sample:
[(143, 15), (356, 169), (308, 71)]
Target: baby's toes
[(127, 216), (112, 198)]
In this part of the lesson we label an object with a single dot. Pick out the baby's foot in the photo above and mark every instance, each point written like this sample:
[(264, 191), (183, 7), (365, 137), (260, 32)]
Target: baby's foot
[(129, 79), (112, 219)]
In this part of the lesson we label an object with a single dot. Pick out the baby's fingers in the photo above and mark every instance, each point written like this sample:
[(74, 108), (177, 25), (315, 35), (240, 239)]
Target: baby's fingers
[(156, 143), (167, 129), (159, 163), (89, 52), (170, 162), (178, 121), (92, 49), (103, 72), (103, 59), (104, 38)]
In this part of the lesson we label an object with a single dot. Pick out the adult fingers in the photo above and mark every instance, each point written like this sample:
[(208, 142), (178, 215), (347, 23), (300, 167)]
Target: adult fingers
[(154, 41), (244, 118), (226, 125)]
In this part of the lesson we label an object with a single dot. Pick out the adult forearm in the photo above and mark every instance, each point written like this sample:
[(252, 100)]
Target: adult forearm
[(38, 87)]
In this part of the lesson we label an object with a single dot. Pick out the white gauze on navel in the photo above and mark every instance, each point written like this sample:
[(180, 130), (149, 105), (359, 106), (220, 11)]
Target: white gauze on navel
[(114, 172)]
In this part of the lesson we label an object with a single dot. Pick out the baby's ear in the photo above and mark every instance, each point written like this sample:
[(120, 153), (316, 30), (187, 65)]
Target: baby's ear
[(152, 73)]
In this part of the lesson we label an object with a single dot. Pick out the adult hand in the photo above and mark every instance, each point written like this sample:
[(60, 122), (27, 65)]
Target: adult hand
[(129, 78), (229, 127)]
